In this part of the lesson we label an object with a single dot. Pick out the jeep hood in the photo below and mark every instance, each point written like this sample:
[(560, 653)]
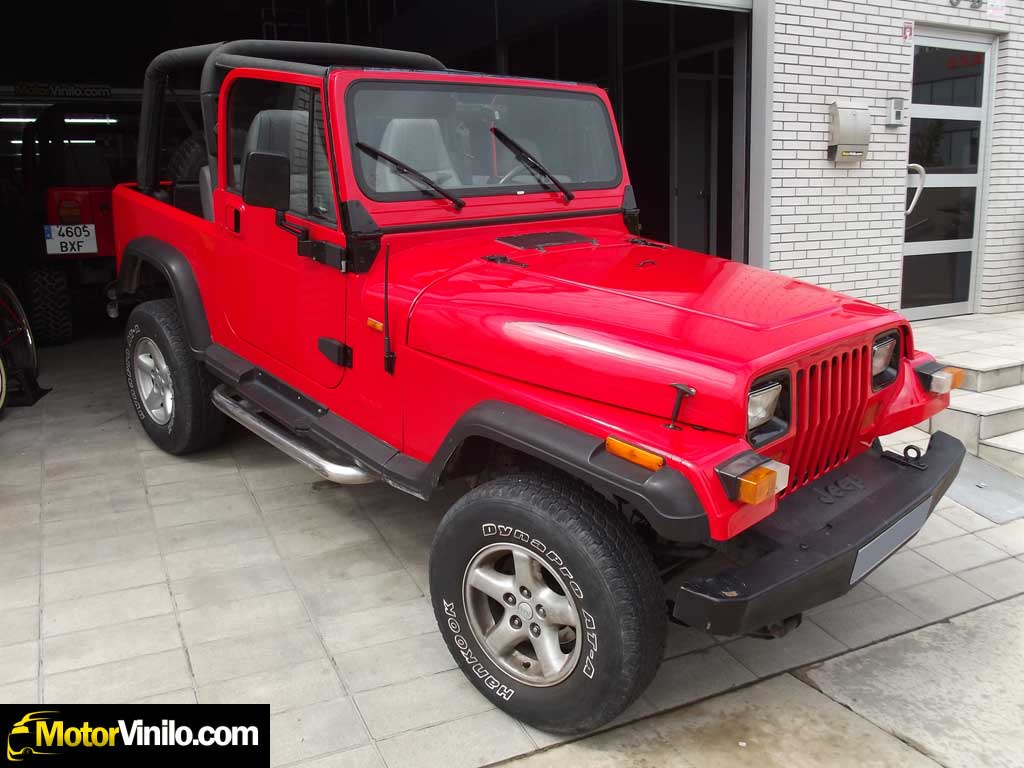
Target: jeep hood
[(618, 322)]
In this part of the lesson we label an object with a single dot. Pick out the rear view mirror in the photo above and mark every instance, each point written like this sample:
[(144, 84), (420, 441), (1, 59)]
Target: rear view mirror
[(266, 181)]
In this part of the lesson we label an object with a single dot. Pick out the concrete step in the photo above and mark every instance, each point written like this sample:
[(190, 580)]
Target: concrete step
[(976, 416), (1006, 451), (985, 372)]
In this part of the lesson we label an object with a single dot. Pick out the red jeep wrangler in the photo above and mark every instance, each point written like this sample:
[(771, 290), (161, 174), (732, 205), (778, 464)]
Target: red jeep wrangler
[(401, 273)]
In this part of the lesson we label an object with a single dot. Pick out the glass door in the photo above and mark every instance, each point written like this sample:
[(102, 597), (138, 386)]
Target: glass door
[(948, 134)]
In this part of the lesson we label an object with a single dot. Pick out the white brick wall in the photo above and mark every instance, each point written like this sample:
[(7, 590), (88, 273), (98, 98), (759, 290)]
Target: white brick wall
[(843, 228)]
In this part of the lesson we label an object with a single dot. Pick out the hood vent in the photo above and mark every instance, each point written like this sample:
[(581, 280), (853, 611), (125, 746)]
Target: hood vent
[(538, 241)]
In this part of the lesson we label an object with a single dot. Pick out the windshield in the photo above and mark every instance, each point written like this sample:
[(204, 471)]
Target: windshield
[(445, 133)]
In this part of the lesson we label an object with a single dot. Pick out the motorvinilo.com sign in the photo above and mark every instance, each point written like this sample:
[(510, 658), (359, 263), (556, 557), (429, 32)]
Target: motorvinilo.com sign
[(134, 734)]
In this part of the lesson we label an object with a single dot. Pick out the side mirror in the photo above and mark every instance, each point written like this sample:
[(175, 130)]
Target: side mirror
[(267, 180)]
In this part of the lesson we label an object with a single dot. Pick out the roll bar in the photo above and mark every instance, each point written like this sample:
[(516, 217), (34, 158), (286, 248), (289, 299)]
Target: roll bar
[(215, 60)]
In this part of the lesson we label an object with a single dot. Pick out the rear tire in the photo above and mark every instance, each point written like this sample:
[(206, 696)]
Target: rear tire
[(548, 601), (187, 159), (49, 305), (169, 388)]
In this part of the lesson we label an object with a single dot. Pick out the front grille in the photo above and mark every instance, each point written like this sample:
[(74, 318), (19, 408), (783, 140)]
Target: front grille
[(829, 401)]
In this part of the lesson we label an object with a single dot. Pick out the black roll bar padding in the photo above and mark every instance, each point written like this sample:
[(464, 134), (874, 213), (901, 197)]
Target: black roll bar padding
[(154, 85)]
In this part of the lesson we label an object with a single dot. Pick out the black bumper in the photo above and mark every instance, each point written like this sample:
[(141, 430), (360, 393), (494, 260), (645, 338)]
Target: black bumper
[(821, 541)]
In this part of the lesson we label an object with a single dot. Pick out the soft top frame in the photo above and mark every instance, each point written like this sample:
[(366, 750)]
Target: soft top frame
[(215, 60)]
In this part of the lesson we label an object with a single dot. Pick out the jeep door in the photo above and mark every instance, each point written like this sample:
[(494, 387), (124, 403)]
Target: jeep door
[(283, 307)]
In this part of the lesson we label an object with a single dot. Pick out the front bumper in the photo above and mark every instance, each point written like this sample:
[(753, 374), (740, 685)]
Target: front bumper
[(821, 541)]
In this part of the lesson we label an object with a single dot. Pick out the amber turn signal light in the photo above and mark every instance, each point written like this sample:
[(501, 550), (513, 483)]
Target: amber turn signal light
[(756, 485), (634, 455), (939, 379)]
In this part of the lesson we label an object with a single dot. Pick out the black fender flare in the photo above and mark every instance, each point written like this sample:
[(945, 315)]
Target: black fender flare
[(177, 271), (665, 498)]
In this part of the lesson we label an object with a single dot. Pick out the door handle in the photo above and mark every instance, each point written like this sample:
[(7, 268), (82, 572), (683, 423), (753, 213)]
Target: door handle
[(922, 175)]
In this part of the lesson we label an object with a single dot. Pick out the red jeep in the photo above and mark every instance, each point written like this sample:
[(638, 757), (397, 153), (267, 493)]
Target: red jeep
[(401, 273)]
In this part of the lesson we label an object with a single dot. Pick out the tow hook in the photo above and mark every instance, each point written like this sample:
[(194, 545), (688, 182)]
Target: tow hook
[(779, 628), (113, 305), (911, 457)]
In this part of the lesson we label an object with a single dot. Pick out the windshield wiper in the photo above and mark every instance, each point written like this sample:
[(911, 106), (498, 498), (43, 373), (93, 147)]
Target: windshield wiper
[(407, 170), (530, 161)]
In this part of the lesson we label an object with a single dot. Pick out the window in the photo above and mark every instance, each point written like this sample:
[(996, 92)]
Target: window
[(268, 116)]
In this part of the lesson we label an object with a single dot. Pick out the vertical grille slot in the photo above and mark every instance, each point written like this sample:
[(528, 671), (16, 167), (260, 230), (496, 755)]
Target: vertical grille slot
[(829, 400)]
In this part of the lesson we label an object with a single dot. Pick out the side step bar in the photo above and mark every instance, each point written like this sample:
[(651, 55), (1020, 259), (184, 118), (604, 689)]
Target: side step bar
[(343, 474)]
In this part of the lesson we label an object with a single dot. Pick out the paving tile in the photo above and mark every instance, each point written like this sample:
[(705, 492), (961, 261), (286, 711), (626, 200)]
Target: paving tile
[(999, 580), (481, 739), (102, 610), (347, 563), (863, 623), (242, 617), (97, 503), (64, 557), (319, 514), (186, 490), (305, 494), (182, 696), (377, 625), (940, 599), (283, 688), (234, 657), (19, 593), (125, 479), (407, 659), (695, 676), (288, 473), (20, 538), (181, 538), (680, 640), (315, 541), (225, 557), (224, 586), (315, 730), (96, 579), (19, 662), (420, 703), (125, 680), (73, 530), (194, 471), (19, 625), (962, 553), (902, 570), (351, 595), (20, 515), (361, 757), (638, 709), (110, 643), (1009, 537), (25, 692), (16, 565), (961, 516), (219, 508), (936, 528), (96, 465), (808, 643)]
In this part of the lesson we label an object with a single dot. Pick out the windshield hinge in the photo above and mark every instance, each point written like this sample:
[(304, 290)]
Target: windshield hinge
[(321, 252), (501, 259)]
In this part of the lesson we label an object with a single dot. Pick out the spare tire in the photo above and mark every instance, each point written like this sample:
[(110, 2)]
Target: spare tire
[(187, 159)]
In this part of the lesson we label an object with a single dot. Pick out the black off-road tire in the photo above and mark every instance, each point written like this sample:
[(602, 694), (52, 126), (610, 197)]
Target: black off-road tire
[(4, 383), (187, 159), (195, 423), (619, 597), (49, 305)]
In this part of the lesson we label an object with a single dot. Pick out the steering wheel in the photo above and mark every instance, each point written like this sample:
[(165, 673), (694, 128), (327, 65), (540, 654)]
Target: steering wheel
[(513, 173)]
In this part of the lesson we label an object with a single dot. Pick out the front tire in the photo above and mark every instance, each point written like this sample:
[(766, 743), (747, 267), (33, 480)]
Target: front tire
[(169, 388), (3, 383), (548, 601)]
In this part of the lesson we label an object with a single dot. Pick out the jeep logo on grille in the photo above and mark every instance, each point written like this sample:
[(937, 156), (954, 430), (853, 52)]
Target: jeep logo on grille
[(844, 486)]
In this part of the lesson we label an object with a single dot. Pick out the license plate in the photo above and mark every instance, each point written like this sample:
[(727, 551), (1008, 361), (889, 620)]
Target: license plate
[(69, 239), (887, 542)]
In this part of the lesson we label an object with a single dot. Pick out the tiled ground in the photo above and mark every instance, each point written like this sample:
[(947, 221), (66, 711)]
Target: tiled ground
[(130, 575)]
